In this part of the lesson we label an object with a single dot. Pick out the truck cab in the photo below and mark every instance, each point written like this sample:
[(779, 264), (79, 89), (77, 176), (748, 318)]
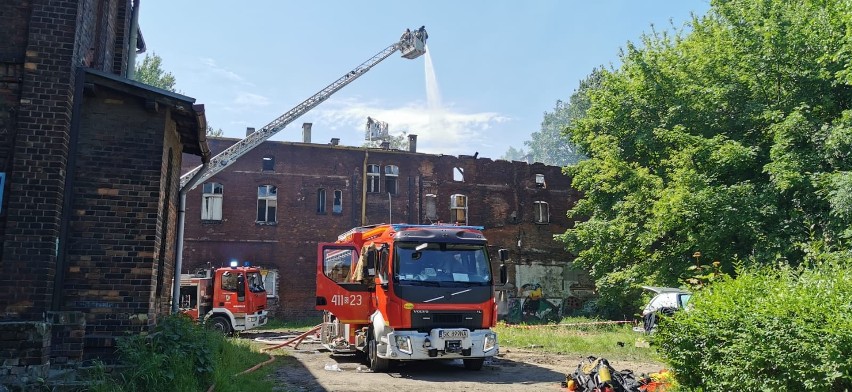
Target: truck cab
[(227, 299), (409, 292)]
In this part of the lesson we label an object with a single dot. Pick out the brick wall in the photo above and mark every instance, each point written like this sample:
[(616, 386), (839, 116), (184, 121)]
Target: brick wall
[(122, 218), (500, 194)]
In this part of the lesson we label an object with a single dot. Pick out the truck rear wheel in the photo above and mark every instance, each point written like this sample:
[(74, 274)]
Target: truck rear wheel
[(473, 363), (376, 364), (219, 324)]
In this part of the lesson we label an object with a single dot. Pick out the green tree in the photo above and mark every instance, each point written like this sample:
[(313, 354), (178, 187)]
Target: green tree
[(150, 72), (731, 137), (552, 144), (514, 155)]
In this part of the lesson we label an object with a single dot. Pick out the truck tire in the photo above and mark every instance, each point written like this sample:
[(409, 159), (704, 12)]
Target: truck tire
[(473, 363), (219, 324), (377, 364)]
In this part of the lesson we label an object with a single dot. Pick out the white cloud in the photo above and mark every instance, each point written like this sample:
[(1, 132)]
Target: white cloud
[(246, 100), (219, 73), (439, 130)]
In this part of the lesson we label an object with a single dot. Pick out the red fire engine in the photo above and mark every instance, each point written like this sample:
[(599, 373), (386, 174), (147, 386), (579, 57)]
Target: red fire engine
[(409, 292), (225, 299)]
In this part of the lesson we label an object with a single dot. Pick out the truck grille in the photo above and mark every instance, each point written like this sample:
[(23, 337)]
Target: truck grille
[(426, 320)]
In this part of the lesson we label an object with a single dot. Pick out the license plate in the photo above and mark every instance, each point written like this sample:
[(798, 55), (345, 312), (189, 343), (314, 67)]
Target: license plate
[(453, 333)]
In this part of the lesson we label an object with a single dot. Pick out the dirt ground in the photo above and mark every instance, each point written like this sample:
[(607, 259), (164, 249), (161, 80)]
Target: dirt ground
[(312, 369)]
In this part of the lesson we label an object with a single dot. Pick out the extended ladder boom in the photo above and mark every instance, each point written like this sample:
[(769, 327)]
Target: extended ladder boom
[(412, 46)]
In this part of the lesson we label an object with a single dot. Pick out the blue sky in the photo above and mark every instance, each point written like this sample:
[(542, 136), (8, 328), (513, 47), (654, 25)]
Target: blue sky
[(499, 64)]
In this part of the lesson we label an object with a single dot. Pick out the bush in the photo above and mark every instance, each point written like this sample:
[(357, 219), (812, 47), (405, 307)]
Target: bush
[(178, 356), (781, 329)]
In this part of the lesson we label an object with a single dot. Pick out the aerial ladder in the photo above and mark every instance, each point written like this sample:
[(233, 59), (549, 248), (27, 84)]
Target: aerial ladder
[(411, 45)]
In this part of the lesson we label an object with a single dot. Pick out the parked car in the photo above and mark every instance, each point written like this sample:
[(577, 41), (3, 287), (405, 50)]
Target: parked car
[(666, 302)]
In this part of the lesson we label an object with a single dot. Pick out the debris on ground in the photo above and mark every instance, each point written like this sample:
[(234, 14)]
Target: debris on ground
[(596, 375)]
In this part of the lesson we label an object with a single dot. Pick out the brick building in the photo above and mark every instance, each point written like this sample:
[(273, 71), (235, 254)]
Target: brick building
[(276, 203), (89, 174)]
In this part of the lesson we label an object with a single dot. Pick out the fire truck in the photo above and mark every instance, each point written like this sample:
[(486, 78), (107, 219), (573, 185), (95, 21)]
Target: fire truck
[(399, 292), (227, 299)]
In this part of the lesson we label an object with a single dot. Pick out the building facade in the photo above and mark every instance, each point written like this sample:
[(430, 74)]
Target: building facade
[(89, 174), (276, 203)]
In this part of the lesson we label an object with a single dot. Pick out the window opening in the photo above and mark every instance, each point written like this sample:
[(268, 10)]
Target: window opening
[(458, 174), (337, 204), (539, 181), (391, 179), (267, 203), (542, 212), (269, 163), (373, 177), (211, 201), (321, 201)]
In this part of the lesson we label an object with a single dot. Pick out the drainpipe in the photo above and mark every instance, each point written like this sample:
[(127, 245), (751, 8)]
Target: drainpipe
[(205, 159), (364, 189), (179, 242), (390, 209), (134, 35)]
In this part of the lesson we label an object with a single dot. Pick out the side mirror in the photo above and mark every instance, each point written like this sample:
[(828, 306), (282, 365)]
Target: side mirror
[(241, 288), (504, 254), (504, 276)]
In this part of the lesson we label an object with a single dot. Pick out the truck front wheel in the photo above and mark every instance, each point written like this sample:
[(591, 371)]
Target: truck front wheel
[(473, 363), (219, 324), (376, 364)]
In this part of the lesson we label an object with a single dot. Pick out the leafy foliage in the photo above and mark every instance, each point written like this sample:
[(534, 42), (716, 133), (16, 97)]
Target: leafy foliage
[(150, 72), (772, 329), (179, 355), (730, 137)]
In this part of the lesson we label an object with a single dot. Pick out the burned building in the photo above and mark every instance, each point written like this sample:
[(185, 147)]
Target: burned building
[(274, 204), (89, 174)]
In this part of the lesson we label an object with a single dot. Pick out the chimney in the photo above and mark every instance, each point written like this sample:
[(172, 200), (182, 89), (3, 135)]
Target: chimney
[(249, 130), (306, 132), (412, 143), (385, 145), (335, 141)]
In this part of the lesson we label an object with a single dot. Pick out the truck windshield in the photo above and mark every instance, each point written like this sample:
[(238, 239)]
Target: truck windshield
[(431, 263), (255, 282)]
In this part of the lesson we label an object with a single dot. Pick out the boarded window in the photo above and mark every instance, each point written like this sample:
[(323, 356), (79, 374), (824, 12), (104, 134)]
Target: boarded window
[(458, 209), (211, 201), (430, 207)]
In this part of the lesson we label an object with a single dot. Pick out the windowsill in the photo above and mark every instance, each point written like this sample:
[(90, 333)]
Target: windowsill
[(337, 213), (262, 223), (211, 221), (542, 223), (321, 213)]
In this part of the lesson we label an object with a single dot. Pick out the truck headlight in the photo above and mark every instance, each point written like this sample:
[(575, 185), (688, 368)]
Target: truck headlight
[(403, 343), (490, 342)]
